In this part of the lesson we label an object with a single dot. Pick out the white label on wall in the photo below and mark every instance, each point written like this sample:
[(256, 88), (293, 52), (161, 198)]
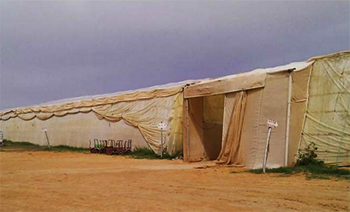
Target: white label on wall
[(272, 123), (162, 126)]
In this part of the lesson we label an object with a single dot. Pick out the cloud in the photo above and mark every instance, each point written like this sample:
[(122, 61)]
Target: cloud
[(61, 49)]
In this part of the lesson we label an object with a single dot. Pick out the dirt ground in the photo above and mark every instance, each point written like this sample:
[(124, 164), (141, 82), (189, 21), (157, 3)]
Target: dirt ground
[(48, 181)]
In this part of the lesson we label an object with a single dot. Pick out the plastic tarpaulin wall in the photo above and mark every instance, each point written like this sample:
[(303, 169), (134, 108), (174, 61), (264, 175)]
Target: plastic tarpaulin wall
[(231, 152), (143, 114), (88, 103), (228, 111), (233, 83), (262, 104), (300, 81), (273, 106), (327, 119), (72, 130), (245, 81), (250, 130), (267, 98)]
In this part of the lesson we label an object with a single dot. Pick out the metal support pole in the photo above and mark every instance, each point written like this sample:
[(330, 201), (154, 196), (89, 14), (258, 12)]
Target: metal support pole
[(288, 117), (187, 131), (47, 138), (266, 148), (161, 142)]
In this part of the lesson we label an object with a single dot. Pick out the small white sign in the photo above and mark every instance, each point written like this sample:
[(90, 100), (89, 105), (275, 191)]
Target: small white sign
[(162, 126), (44, 129), (272, 123)]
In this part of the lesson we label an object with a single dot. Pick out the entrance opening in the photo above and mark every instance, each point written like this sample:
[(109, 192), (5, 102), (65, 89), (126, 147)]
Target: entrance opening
[(205, 127)]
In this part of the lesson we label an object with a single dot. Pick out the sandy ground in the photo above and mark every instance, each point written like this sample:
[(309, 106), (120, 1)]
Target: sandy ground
[(47, 181)]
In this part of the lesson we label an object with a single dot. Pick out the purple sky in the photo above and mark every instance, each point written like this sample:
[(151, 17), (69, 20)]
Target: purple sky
[(59, 49)]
